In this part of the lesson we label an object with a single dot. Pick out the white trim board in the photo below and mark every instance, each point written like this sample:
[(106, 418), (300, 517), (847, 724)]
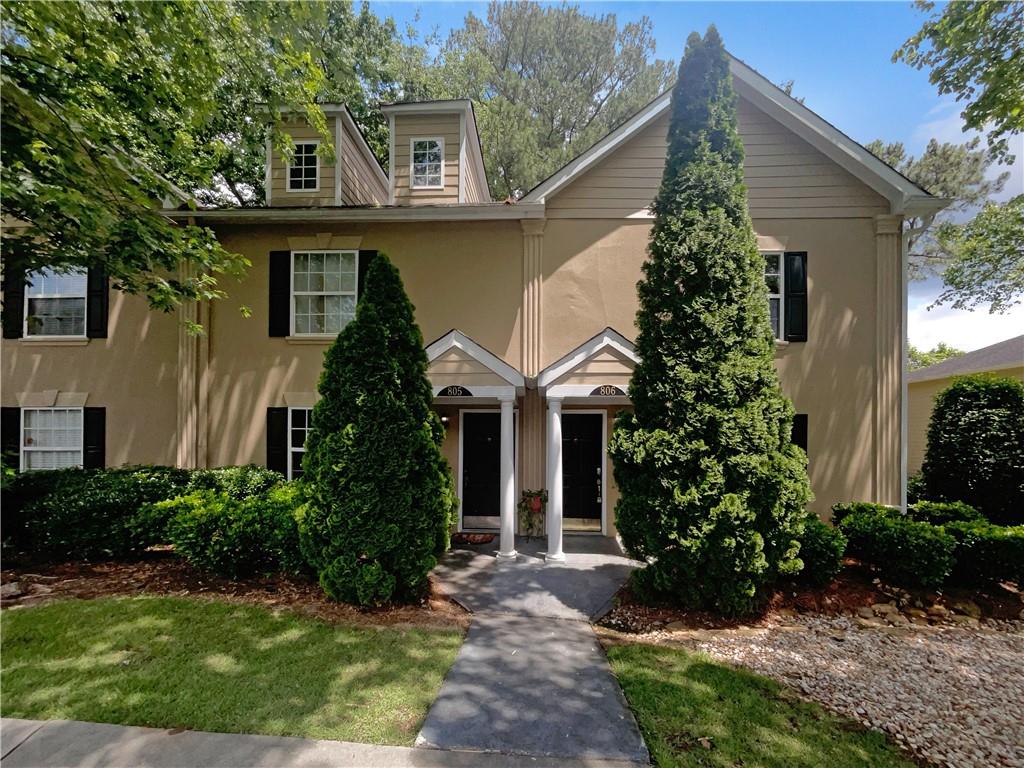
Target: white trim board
[(609, 338), (456, 339), (904, 196)]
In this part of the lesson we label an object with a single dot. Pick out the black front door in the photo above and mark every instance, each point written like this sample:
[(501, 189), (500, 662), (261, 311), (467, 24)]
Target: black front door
[(481, 470), (582, 454)]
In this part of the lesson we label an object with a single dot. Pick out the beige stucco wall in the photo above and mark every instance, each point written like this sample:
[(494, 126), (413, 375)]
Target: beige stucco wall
[(132, 373), (589, 273), (920, 402), (430, 126), (458, 275)]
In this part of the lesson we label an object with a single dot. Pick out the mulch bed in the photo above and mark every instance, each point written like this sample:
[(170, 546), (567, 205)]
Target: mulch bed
[(160, 573), (857, 586)]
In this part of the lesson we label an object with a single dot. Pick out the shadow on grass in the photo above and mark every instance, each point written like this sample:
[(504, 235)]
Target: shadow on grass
[(695, 712), (207, 665)]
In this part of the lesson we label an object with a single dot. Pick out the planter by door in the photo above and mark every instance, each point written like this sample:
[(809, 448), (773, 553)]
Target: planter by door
[(582, 470)]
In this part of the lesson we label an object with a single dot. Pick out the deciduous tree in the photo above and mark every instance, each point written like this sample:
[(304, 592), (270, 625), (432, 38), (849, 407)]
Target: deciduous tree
[(919, 358)]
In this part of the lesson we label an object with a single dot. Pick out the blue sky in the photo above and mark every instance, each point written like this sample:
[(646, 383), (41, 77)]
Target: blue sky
[(839, 54)]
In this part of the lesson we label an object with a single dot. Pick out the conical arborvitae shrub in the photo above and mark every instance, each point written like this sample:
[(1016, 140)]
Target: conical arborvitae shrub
[(381, 495), (713, 492)]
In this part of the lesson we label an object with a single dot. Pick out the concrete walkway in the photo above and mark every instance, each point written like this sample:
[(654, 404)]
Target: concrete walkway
[(72, 744), (531, 678)]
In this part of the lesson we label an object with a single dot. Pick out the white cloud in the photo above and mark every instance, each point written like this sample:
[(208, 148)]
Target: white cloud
[(959, 328)]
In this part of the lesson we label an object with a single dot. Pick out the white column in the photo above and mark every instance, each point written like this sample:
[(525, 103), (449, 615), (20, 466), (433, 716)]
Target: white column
[(507, 544), (555, 552)]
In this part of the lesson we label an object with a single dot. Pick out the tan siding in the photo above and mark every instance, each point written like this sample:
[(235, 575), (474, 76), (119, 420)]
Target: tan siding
[(279, 194), (408, 127), (920, 402), (361, 182), (786, 177)]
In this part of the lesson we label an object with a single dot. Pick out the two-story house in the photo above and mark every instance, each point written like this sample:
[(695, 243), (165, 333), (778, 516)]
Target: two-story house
[(529, 308)]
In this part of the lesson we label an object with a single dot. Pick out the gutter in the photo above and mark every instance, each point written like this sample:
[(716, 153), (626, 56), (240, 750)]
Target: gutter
[(486, 212)]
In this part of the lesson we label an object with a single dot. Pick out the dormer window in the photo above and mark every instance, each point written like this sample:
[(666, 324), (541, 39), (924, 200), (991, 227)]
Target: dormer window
[(304, 169), (427, 163)]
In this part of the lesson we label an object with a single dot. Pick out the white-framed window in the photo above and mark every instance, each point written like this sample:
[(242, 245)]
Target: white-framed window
[(427, 163), (774, 278), (51, 438), (55, 303), (324, 286), (298, 430), (304, 169)]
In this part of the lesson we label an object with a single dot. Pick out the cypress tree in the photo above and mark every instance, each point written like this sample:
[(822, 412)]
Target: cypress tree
[(381, 495), (713, 492)]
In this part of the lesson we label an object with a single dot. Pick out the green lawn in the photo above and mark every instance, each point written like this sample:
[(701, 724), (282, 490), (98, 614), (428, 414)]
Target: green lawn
[(680, 697), (205, 665)]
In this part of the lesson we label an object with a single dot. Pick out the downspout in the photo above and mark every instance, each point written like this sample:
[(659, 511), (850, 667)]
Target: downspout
[(904, 341)]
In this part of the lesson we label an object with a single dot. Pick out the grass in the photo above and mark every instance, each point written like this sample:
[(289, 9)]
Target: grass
[(206, 665), (696, 712)]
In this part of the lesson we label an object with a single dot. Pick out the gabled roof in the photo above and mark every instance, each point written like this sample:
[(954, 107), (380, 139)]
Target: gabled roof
[(608, 339), (1004, 354), (904, 196), (448, 106), (456, 339)]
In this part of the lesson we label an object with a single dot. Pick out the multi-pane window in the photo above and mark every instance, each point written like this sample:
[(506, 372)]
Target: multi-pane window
[(55, 303), (298, 430), (304, 169), (51, 438), (323, 291), (427, 164), (773, 278)]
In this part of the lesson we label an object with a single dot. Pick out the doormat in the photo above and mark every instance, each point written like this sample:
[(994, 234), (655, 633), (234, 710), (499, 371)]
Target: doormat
[(472, 538)]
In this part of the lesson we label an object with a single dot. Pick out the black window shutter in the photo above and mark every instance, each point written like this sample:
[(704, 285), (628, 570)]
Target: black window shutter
[(277, 440), (365, 258), (10, 435), (799, 436), (14, 302), (97, 303), (280, 293), (796, 297), (94, 455)]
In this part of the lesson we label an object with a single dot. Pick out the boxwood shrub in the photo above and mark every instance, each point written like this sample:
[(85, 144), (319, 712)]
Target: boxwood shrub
[(821, 549), (88, 514), (237, 482), (237, 537), (986, 553), (841, 511), (906, 551), (942, 512)]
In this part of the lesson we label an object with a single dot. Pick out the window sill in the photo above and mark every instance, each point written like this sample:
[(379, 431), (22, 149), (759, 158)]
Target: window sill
[(780, 344), (326, 339), (54, 341)]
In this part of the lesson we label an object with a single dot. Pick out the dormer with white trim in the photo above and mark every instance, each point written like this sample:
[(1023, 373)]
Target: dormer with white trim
[(309, 179), (435, 155)]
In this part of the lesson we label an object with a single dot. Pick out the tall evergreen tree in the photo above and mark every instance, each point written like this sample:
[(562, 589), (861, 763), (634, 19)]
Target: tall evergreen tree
[(381, 493), (713, 492)]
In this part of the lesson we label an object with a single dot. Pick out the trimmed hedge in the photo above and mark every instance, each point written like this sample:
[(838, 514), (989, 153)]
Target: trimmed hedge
[(986, 553), (88, 514), (841, 511), (975, 451), (942, 512), (237, 482), (905, 550), (234, 537), (821, 549)]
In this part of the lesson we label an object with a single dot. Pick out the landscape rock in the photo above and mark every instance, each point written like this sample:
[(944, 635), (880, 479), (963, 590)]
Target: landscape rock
[(10, 590)]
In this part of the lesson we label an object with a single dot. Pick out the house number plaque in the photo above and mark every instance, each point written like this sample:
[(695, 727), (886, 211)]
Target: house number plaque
[(607, 390), (454, 391)]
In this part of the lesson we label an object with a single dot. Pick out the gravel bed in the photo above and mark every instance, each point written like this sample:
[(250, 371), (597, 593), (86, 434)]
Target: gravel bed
[(952, 696)]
